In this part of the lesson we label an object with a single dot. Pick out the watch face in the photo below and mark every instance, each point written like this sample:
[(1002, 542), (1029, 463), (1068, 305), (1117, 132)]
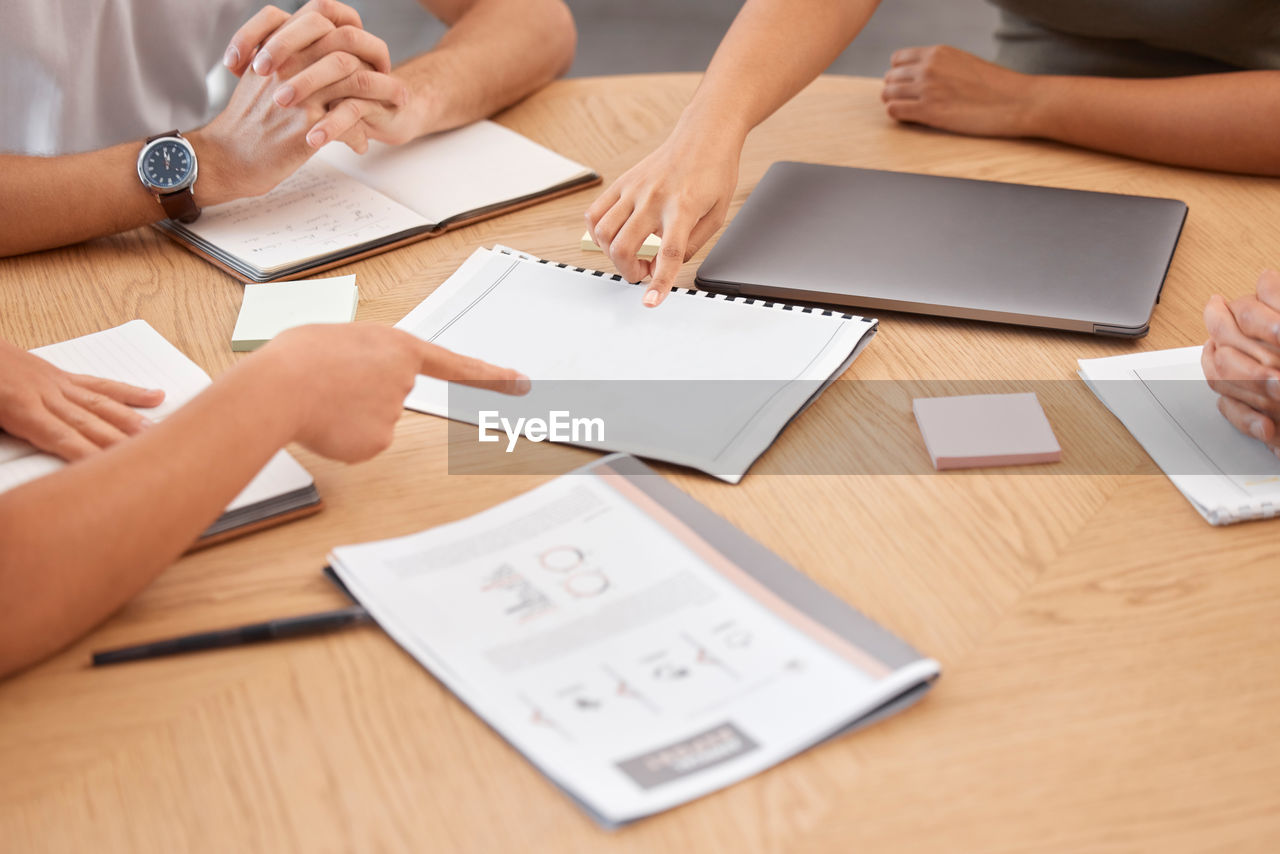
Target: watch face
[(166, 164)]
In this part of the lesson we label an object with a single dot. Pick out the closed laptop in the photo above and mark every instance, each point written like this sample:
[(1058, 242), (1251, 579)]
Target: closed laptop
[(955, 247)]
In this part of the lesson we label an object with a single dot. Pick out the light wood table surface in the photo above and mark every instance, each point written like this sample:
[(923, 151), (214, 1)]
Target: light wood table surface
[(1111, 663)]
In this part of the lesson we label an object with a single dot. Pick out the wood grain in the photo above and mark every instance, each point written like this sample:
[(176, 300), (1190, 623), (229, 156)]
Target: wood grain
[(1109, 659)]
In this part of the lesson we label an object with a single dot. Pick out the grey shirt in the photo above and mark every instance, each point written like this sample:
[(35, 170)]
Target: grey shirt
[(1138, 38)]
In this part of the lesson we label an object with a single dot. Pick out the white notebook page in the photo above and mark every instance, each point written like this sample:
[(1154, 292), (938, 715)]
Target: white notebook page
[(316, 211), (135, 353), (451, 173)]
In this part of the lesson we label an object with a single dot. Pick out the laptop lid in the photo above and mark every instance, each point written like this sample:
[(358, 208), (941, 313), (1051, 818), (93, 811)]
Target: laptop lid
[(1011, 253)]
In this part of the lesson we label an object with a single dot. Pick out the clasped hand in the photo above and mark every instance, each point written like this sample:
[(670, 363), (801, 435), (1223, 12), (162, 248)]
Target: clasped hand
[(305, 79)]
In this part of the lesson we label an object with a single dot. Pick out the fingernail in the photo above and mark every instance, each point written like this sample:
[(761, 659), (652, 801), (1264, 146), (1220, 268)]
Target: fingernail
[(262, 63), (651, 298), (1276, 451), (232, 57), (316, 138), (145, 423), (1255, 427), (284, 95), (1273, 388), (523, 384)]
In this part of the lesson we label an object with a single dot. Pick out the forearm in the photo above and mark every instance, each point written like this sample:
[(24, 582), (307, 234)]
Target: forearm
[(55, 201), (76, 545), (1227, 122), (495, 53), (773, 50)]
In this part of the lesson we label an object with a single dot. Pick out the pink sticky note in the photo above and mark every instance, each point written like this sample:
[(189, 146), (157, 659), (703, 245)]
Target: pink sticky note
[(986, 430)]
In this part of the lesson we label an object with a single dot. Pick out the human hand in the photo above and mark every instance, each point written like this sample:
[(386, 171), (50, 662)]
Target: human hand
[(322, 52), (680, 192), (950, 89), (348, 382), (1241, 360), (70, 415)]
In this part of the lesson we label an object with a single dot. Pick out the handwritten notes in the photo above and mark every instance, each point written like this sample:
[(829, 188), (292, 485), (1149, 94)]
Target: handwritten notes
[(317, 211)]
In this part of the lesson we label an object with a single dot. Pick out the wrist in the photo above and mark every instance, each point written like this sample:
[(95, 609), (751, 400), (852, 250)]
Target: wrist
[(214, 180), (276, 389), (724, 130), (1040, 97)]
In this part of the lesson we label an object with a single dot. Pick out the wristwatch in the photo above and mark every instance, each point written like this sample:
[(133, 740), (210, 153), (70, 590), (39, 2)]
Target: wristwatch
[(167, 168)]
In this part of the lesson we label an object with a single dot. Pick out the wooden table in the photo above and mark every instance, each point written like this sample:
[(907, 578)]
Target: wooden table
[(1110, 661)]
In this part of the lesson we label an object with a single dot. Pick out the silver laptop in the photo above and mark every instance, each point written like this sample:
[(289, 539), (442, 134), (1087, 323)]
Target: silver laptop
[(1011, 253)]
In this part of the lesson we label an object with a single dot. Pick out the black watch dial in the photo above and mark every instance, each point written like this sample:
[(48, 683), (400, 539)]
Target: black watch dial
[(167, 164)]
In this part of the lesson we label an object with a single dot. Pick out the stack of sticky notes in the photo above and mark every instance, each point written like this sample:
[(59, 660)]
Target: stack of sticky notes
[(975, 430), (648, 249), (271, 308)]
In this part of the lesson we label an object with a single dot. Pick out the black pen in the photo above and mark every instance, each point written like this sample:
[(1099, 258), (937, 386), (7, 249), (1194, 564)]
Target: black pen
[(287, 627)]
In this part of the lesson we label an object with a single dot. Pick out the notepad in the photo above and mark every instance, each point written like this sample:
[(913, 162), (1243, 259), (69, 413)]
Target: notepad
[(648, 249), (637, 648), (135, 353), (703, 380), (1162, 398), (341, 205), (972, 430), (270, 308)]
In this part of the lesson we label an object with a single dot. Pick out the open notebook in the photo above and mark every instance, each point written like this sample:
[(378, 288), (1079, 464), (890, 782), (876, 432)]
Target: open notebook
[(704, 380), (340, 205), (637, 648), (135, 353), (1162, 398)]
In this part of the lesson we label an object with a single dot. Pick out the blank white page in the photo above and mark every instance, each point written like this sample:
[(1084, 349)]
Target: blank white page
[(458, 171)]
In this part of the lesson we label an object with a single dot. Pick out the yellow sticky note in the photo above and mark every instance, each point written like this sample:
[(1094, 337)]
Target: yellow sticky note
[(648, 249)]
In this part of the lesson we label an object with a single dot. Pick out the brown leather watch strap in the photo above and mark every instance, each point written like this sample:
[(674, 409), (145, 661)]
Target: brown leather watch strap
[(180, 205), (152, 139)]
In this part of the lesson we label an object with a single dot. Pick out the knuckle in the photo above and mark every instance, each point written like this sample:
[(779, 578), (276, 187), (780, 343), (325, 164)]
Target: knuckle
[(364, 82), (347, 62)]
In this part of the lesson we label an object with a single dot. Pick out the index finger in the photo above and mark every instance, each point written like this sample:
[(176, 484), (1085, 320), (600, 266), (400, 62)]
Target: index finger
[(298, 33), (671, 255), (447, 365), (246, 40), (1269, 288), (130, 395)]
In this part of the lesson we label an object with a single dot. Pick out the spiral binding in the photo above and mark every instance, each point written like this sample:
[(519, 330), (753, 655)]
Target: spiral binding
[(785, 306)]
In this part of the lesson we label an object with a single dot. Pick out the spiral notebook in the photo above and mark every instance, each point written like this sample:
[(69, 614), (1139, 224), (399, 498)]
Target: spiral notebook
[(341, 206), (704, 380)]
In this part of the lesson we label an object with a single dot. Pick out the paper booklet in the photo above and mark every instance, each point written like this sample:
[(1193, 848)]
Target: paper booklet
[(135, 353), (1162, 398), (638, 649), (704, 380), (341, 205)]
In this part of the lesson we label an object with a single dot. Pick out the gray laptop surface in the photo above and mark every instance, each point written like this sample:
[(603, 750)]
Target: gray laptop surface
[(1011, 253)]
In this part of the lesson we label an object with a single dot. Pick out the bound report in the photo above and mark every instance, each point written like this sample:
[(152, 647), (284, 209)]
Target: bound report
[(638, 649), (340, 206), (135, 353), (1162, 398), (704, 380)]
